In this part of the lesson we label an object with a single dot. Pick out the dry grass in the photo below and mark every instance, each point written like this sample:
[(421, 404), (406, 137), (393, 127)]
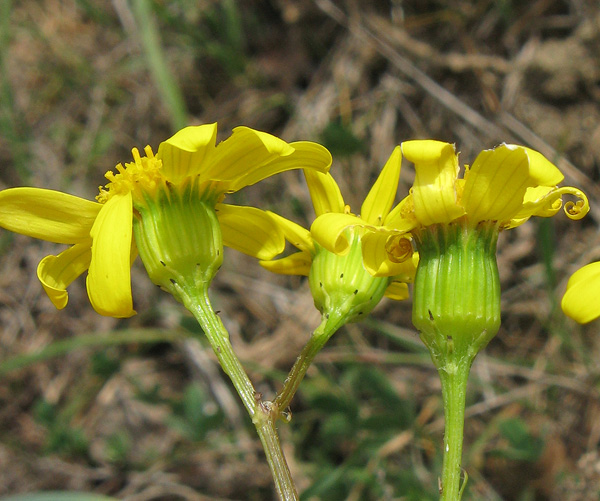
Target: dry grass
[(77, 92)]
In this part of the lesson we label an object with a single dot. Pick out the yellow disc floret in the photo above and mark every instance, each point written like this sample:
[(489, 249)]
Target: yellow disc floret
[(142, 177)]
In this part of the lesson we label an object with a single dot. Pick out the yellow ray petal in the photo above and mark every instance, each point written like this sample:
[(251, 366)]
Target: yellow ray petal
[(295, 264), (402, 217), (305, 155), (245, 150), (188, 152), (496, 184), (47, 214), (581, 302), (434, 189), (380, 199), (397, 291), (295, 234), (324, 192), (250, 230), (541, 170), (57, 272), (109, 278)]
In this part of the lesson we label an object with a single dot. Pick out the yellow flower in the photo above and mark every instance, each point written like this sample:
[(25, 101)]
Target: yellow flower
[(581, 301), (327, 201), (506, 185), (189, 164)]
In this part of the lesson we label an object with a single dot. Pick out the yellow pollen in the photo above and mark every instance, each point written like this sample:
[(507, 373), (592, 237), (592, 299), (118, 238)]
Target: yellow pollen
[(141, 177)]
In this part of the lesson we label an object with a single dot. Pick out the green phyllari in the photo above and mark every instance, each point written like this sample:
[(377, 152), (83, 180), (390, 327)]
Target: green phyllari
[(340, 284), (179, 240), (456, 304)]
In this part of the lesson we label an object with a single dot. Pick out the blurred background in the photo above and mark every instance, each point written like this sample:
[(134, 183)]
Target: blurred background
[(134, 409)]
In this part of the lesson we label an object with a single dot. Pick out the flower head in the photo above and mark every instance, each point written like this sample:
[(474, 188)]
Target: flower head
[(189, 164), (359, 263)]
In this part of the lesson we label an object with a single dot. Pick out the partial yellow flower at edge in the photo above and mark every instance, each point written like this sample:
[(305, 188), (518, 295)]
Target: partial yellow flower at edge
[(101, 233), (581, 301)]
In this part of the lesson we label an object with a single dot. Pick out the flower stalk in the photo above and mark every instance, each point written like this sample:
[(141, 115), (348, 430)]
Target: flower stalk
[(180, 242), (197, 302), (456, 309), (317, 340)]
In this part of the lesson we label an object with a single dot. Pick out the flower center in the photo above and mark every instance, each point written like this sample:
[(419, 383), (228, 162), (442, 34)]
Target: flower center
[(142, 178)]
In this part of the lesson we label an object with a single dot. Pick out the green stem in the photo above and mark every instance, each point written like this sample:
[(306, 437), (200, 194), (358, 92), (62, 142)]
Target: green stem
[(199, 304), (261, 412), (264, 421), (329, 325), (454, 375)]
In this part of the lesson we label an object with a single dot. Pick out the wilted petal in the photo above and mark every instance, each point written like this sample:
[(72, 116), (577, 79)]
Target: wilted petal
[(109, 278), (251, 231), (581, 302), (380, 199), (434, 190), (57, 272), (188, 152), (324, 192), (47, 214)]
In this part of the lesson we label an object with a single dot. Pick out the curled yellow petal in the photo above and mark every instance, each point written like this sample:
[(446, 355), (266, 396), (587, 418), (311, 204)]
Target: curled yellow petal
[(381, 196), (330, 230), (47, 214), (496, 184), (57, 272), (324, 192), (109, 278), (577, 210), (434, 189), (250, 230), (543, 201), (187, 152), (581, 301), (298, 263), (381, 258)]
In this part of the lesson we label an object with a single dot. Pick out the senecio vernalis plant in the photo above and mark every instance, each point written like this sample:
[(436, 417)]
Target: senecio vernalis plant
[(169, 209)]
